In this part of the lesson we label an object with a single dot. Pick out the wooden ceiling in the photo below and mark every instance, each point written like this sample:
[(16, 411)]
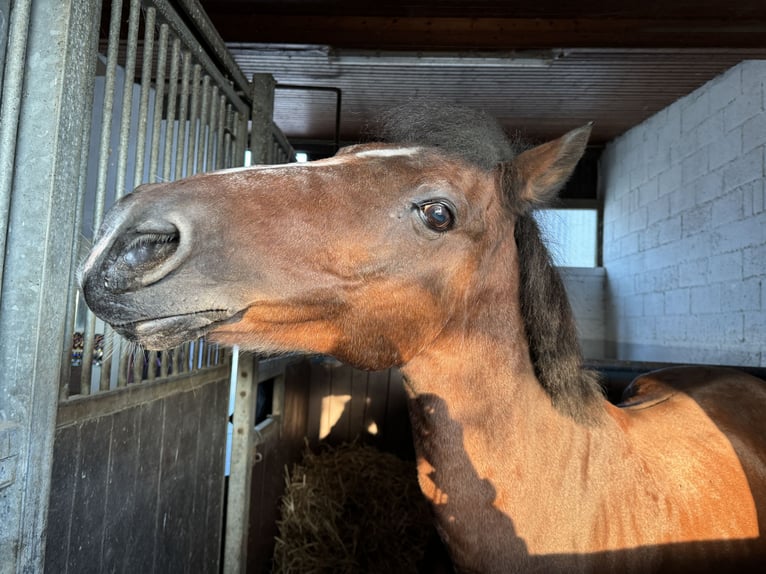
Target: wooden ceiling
[(541, 67)]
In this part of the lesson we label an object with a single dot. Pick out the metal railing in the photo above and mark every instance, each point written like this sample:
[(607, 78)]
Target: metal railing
[(163, 108)]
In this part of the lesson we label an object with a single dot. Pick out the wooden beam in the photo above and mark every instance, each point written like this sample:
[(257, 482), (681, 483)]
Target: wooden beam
[(421, 33)]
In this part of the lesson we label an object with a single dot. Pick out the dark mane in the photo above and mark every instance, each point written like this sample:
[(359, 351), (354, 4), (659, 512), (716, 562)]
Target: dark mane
[(548, 320), (550, 326)]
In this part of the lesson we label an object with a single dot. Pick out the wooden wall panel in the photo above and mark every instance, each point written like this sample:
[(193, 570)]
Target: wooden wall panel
[(346, 403), (140, 489)]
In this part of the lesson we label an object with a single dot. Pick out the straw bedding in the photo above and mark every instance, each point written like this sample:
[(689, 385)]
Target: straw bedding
[(349, 509)]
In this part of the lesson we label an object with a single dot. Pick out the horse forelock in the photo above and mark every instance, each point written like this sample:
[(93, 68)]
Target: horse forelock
[(472, 135)]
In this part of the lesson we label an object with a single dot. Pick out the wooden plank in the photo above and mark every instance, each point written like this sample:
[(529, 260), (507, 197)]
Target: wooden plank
[(261, 532), (375, 415), (481, 33), (398, 432), (79, 409), (176, 482), (89, 503), (320, 388), (337, 404), (204, 398), (119, 517), (358, 406), (295, 412), (65, 477), (150, 436), (211, 443), (215, 477)]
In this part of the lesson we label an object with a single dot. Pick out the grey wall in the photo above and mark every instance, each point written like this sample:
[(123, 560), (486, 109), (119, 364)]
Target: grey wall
[(685, 227)]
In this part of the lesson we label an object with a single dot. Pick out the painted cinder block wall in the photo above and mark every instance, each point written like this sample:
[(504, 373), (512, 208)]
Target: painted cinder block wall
[(685, 228)]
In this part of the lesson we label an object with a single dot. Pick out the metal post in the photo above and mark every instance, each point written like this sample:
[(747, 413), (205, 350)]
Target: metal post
[(244, 376), (44, 178), (262, 116)]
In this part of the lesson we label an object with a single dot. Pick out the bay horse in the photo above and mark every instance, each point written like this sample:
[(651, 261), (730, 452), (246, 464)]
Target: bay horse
[(423, 253)]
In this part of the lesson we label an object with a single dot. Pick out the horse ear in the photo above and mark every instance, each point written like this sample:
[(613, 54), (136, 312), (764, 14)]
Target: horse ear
[(535, 176)]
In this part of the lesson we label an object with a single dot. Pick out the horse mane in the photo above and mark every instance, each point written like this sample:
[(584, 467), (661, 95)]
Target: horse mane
[(547, 315)]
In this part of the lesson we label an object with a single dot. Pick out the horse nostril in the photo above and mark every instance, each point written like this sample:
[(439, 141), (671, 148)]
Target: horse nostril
[(140, 259), (148, 250)]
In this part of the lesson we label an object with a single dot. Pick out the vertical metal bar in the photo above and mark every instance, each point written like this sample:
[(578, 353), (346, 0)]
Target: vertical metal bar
[(261, 138), (227, 137), (103, 167), (138, 365), (123, 367), (204, 118), (159, 103), (220, 159), (40, 157), (127, 99), (165, 363), (10, 106), (172, 128), (151, 368), (241, 138), (106, 124), (146, 84), (211, 131), (88, 345), (244, 377), (193, 119), (103, 170), (66, 385), (183, 110)]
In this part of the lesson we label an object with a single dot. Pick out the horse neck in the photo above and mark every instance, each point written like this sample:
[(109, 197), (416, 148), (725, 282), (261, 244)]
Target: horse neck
[(479, 414), (481, 364)]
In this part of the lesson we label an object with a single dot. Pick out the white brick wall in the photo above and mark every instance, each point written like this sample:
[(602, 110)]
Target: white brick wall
[(585, 288), (685, 227)]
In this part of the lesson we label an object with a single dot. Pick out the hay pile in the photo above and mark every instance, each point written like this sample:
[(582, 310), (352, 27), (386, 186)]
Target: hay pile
[(352, 509)]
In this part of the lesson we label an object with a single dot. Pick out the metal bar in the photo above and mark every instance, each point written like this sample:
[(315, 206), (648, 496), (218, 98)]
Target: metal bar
[(171, 129), (127, 99), (165, 363), (151, 370), (227, 137), (143, 107), (202, 130), (103, 163), (205, 28), (10, 106), (244, 378), (220, 160), (262, 115), (123, 368), (211, 131), (65, 381), (189, 38), (111, 347), (106, 124), (193, 120), (39, 180), (241, 131), (138, 365), (159, 103), (183, 110)]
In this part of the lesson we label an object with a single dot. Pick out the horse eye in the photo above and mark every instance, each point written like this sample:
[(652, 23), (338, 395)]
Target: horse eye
[(437, 215)]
